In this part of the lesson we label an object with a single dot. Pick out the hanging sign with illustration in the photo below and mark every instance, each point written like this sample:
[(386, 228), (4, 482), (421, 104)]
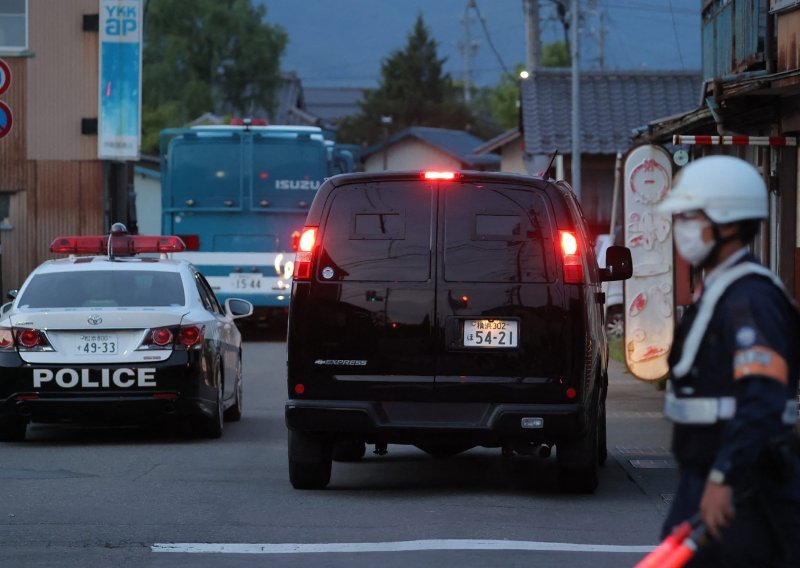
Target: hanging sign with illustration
[(649, 309)]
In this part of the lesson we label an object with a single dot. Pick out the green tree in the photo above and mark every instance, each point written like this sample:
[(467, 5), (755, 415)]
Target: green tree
[(556, 54), (206, 56), (413, 91)]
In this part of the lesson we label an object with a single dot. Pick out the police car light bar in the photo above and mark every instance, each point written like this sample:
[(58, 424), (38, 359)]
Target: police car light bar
[(121, 245)]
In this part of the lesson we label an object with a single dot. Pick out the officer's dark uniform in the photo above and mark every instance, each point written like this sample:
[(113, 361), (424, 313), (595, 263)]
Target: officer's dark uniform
[(749, 353)]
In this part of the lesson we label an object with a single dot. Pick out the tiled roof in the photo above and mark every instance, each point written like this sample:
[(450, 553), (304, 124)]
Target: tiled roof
[(457, 143), (332, 104), (613, 105)]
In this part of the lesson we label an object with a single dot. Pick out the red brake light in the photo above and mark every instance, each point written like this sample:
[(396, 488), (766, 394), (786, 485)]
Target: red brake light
[(571, 258), (32, 339), (440, 175), (161, 336), (189, 335), (6, 339), (305, 253)]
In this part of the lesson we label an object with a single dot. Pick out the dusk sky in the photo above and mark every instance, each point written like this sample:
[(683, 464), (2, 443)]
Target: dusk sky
[(342, 42)]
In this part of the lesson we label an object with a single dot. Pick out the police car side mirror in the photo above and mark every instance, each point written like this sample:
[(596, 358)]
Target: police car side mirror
[(12, 294), (619, 265), (237, 308), (5, 308)]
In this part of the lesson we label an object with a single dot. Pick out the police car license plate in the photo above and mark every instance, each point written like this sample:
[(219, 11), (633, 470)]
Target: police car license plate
[(247, 281), (490, 333), (96, 344)]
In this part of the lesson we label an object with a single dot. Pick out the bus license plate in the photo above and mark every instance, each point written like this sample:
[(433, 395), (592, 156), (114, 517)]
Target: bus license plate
[(247, 281), (96, 344), (490, 333)]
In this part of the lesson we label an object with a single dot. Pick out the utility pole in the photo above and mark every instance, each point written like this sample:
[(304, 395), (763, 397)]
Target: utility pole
[(576, 97), (468, 49), (530, 9)]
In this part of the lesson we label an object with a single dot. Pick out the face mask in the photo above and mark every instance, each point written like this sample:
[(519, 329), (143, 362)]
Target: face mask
[(688, 234)]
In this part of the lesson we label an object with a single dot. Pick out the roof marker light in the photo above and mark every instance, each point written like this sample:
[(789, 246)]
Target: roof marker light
[(440, 175)]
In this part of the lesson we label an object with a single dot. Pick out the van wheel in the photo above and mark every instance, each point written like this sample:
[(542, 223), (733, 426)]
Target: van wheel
[(309, 461), (13, 429), (615, 322), (579, 462), (349, 450), (444, 450)]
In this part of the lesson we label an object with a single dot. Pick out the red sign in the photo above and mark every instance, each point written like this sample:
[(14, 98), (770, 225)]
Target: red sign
[(6, 119), (5, 76)]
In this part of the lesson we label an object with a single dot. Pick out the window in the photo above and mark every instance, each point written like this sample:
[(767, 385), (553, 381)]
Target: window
[(496, 233), (103, 288), (13, 25), (378, 232)]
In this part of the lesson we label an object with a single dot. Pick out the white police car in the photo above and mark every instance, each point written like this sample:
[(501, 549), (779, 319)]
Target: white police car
[(119, 337)]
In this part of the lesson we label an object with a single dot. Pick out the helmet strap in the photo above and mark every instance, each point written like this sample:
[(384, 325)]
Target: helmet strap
[(719, 241)]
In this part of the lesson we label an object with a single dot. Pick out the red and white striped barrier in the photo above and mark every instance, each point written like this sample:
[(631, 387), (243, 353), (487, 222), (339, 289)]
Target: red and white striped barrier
[(678, 139)]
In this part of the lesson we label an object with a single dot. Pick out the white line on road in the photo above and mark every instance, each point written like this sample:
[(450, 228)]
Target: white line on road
[(400, 546)]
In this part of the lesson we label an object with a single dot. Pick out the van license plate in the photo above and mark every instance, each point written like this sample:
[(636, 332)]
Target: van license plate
[(490, 333)]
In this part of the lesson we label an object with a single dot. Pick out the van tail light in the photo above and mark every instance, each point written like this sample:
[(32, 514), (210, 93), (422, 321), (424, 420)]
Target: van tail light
[(571, 258), (305, 254)]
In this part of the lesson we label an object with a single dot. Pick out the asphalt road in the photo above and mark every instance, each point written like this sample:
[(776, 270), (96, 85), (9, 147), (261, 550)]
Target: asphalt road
[(74, 497)]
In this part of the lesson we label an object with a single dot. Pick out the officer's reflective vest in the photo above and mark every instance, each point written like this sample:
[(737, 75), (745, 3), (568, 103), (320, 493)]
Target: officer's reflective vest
[(709, 410)]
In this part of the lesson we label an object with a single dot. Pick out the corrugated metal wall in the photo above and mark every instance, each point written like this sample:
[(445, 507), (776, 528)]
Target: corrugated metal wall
[(47, 166), (733, 36)]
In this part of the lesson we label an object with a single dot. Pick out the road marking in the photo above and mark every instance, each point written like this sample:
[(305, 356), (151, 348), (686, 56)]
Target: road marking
[(399, 546)]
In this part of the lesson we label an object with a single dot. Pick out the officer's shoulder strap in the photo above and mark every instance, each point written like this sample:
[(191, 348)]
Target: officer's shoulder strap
[(706, 309)]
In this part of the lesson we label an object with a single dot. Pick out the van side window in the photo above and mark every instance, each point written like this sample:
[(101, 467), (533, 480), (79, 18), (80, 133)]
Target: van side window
[(496, 233), (378, 232)]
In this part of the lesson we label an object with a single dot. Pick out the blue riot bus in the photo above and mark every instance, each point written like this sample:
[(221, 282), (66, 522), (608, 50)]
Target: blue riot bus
[(238, 196)]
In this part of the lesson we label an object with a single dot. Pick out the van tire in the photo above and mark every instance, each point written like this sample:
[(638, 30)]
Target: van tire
[(579, 461), (310, 460), (13, 429), (349, 450)]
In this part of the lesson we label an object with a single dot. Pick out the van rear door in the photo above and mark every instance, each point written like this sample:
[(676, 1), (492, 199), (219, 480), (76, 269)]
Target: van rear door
[(366, 319), (500, 303)]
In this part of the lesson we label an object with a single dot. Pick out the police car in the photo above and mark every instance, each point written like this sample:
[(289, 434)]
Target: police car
[(124, 334)]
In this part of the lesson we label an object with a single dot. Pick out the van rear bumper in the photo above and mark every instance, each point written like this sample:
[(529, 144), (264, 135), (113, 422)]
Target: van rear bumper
[(409, 422)]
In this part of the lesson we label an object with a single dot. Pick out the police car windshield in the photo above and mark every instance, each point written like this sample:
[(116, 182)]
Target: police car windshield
[(103, 288)]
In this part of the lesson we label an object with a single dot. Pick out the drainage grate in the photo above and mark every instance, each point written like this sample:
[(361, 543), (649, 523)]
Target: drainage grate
[(659, 451), (654, 464)]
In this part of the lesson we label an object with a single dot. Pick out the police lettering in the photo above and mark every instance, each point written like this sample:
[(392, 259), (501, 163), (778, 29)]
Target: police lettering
[(70, 378)]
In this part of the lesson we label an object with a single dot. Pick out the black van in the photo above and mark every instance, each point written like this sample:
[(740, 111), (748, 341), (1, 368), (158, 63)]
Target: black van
[(447, 310)]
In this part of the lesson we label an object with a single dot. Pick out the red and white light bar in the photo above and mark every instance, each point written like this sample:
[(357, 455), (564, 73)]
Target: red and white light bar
[(121, 245), (678, 139)]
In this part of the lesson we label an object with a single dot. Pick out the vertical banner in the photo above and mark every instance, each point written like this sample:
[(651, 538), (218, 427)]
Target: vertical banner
[(120, 97), (649, 304)]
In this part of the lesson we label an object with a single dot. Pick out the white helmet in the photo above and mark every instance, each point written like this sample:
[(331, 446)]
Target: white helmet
[(725, 188)]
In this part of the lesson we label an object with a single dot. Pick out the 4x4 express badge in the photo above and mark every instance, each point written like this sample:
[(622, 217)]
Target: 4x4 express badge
[(71, 378)]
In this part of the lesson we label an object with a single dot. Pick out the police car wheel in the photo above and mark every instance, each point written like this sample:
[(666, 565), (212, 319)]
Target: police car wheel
[(13, 429), (310, 459), (211, 426), (602, 450), (234, 413)]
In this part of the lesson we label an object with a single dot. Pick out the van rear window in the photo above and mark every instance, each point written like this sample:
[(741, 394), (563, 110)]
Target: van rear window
[(496, 233), (378, 232)]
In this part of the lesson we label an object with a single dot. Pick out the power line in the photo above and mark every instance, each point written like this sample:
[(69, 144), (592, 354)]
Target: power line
[(489, 40), (677, 39)]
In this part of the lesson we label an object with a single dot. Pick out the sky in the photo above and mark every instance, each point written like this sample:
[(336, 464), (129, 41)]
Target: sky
[(342, 42)]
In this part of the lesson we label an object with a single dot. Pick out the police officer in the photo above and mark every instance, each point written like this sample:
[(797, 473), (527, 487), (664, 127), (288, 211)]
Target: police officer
[(733, 376)]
